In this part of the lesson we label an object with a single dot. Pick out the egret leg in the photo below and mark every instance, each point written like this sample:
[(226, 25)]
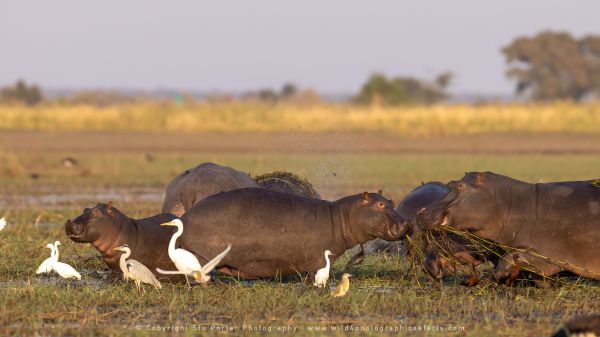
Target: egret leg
[(187, 281)]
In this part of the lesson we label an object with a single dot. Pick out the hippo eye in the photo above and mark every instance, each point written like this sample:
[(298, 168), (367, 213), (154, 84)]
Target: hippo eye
[(380, 204)]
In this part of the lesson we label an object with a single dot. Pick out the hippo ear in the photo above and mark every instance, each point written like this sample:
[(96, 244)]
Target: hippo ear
[(109, 206), (479, 179), (365, 196), (95, 211), (380, 192)]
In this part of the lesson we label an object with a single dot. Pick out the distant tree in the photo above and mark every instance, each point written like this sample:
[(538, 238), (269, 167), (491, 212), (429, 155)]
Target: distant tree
[(402, 90), (267, 95), (288, 90), (21, 92), (444, 79), (554, 65)]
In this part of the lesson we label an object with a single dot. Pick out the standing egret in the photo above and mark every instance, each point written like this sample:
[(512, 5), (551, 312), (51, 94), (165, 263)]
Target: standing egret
[(343, 287), (184, 261), (322, 274), (201, 276), (63, 269), (2, 223), (46, 266), (135, 270)]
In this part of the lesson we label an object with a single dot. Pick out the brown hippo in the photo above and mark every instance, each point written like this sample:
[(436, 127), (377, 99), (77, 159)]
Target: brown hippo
[(551, 226), (277, 234), (287, 182), (418, 198), (106, 228), (199, 182)]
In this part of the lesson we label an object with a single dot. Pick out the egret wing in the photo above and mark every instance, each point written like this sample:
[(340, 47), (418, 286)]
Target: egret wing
[(46, 266), (214, 262)]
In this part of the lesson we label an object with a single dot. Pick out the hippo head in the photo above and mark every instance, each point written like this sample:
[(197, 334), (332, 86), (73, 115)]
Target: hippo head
[(92, 223), (472, 204), (371, 216)]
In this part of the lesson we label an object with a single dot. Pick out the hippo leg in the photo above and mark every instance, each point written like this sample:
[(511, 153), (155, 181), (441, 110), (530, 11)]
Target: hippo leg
[(358, 258), (473, 280), (512, 263), (432, 266), (236, 273)]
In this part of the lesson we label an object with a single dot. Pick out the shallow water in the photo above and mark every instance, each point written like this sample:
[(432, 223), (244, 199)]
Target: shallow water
[(48, 199)]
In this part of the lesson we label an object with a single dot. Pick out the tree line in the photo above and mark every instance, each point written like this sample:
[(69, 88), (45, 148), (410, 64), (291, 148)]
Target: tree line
[(547, 66)]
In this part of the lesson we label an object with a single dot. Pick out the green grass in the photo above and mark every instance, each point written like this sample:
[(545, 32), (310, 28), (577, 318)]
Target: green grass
[(381, 293)]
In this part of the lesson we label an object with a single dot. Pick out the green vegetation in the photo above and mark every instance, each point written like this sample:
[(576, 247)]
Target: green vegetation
[(22, 93), (381, 90), (382, 293), (555, 65)]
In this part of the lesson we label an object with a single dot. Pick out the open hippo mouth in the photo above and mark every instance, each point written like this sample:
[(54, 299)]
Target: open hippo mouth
[(74, 230), (396, 227), (437, 214)]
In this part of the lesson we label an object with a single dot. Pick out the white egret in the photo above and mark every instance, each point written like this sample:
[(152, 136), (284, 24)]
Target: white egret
[(322, 274), (63, 269), (201, 276), (185, 262), (135, 270), (2, 223), (46, 266), (343, 287)]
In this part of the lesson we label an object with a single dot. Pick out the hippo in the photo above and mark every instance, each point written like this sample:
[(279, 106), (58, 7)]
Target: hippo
[(418, 198), (106, 228), (199, 182), (551, 226), (436, 263), (275, 234), (206, 179), (287, 182)]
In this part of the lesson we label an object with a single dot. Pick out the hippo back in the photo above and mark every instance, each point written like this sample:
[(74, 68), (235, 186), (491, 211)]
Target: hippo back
[(200, 182)]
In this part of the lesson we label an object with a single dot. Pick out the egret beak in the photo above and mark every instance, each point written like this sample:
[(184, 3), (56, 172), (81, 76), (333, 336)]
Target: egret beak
[(170, 223), (119, 249)]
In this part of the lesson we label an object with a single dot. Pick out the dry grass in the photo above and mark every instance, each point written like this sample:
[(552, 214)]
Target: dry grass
[(247, 116)]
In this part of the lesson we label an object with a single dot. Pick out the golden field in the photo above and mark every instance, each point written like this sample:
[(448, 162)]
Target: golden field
[(414, 121)]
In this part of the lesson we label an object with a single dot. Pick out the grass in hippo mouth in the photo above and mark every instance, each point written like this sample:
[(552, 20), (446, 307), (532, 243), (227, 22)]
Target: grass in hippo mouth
[(480, 246)]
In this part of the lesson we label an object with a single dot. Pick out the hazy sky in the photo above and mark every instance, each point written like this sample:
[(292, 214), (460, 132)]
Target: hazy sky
[(238, 45)]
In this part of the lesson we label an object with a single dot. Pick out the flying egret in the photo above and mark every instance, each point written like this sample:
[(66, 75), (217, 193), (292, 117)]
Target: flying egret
[(135, 270), (63, 269), (2, 223), (201, 276), (343, 287), (46, 266), (322, 274), (184, 261)]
